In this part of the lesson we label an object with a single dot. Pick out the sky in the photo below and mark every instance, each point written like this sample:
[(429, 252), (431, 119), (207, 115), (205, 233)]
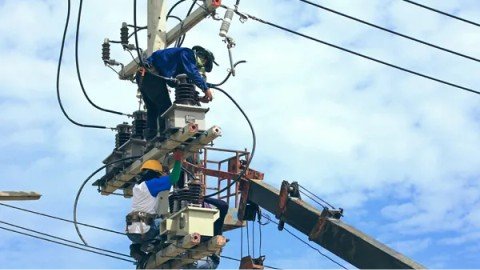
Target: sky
[(399, 153)]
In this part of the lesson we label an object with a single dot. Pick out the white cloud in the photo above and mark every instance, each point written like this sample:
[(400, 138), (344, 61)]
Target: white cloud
[(352, 131)]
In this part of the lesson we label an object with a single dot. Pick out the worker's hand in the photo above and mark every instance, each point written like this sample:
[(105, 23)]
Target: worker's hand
[(208, 96)]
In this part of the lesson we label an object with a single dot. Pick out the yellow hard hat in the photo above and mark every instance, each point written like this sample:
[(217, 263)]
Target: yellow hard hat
[(153, 165)]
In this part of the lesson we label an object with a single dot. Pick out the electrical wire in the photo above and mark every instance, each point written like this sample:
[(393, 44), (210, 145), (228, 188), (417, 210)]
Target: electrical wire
[(174, 6), (229, 74), (81, 188), (63, 239), (140, 56), (59, 218), (391, 31), (254, 145), (361, 55), (306, 243), (59, 66), (442, 12), (77, 36), (64, 244), (316, 196)]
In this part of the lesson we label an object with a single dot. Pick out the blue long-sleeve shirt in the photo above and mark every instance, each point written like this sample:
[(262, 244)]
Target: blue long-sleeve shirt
[(174, 61)]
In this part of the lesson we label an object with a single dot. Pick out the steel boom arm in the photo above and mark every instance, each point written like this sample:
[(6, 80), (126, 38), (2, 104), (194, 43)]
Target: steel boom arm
[(346, 242)]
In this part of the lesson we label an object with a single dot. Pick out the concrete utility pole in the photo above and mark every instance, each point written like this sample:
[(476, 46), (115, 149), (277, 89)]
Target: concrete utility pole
[(158, 37), (18, 196)]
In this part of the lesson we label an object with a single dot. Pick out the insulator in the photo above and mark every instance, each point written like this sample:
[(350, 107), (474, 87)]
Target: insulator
[(190, 195), (106, 50), (123, 134), (186, 94), (139, 124), (227, 19), (124, 34)]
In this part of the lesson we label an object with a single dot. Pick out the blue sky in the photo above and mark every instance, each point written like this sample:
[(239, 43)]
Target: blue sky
[(399, 153)]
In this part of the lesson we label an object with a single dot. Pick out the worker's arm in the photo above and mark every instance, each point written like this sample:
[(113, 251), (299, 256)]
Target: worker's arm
[(175, 174), (190, 67)]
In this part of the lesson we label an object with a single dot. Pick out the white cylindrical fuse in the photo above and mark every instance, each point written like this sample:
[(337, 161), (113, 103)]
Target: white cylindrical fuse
[(226, 22)]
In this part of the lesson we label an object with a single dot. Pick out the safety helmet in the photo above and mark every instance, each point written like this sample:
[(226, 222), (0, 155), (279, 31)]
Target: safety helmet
[(153, 165), (207, 55)]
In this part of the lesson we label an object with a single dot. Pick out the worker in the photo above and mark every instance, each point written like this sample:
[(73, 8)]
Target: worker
[(142, 222), (170, 63)]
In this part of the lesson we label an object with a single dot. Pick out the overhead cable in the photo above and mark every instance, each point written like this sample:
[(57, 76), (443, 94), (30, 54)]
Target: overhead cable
[(64, 244), (391, 31), (81, 188), (77, 35), (442, 12), (63, 239), (254, 145), (59, 218), (140, 56), (58, 77), (306, 243), (361, 55)]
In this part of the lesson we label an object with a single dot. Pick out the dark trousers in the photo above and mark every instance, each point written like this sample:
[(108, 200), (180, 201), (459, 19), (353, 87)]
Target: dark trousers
[(155, 95), (223, 208)]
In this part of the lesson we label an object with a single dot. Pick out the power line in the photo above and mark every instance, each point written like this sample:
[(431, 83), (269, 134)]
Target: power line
[(63, 239), (361, 55), (83, 185), (77, 35), (442, 12), (67, 19), (64, 244), (59, 218), (306, 243), (391, 31)]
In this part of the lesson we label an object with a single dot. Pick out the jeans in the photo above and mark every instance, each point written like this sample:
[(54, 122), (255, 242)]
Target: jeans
[(223, 208), (154, 231), (157, 100)]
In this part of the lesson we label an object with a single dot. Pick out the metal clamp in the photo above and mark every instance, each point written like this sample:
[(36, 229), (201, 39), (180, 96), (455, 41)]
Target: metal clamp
[(287, 191)]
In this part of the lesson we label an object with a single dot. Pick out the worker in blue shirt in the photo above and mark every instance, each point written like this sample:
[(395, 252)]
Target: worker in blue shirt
[(170, 63)]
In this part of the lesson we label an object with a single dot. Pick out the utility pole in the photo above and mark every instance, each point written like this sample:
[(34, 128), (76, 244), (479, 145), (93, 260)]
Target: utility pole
[(18, 196), (158, 37)]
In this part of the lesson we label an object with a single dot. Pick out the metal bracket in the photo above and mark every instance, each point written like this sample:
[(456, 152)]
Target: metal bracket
[(319, 227), (287, 191), (252, 263)]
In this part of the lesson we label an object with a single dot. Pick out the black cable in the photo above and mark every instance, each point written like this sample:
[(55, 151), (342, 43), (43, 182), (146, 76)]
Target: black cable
[(77, 36), (306, 243), (362, 55), (322, 205), (58, 76), (391, 31), (140, 56), (442, 12), (228, 75), (181, 39), (174, 6), (59, 218), (254, 145), (317, 197), (68, 245), (80, 191), (63, 239)]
